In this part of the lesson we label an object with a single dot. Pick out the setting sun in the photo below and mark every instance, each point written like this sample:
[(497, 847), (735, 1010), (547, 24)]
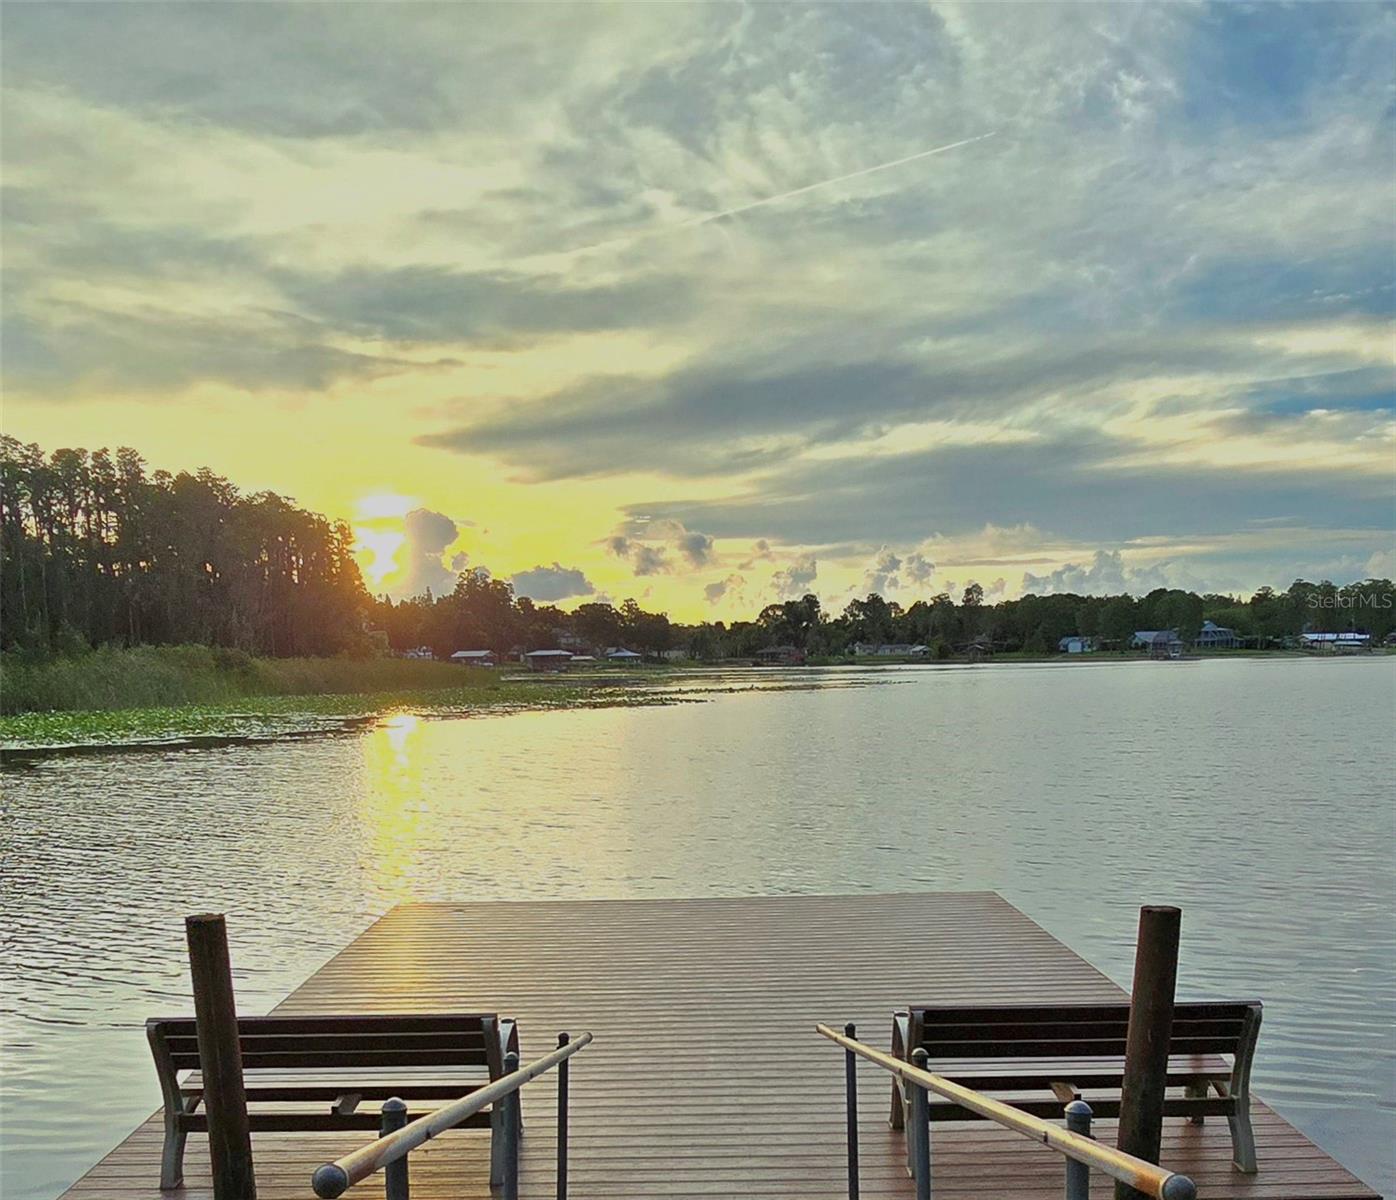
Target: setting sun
[(377, 552), (380, 505)]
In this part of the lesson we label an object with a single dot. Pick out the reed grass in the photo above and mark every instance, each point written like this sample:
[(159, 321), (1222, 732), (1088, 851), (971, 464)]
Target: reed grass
[(172, 676)]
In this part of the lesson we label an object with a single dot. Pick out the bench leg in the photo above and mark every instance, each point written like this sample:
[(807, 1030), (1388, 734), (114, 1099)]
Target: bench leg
[(1242, 1138), (497, 1144), (1196, 1091), (900, 1031), (172, 1156)]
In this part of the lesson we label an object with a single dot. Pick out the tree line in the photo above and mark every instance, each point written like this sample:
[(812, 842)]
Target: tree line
[(95, 550), (483, 614)]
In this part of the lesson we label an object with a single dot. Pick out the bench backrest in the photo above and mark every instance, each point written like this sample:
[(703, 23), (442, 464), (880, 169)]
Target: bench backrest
[(1074, 1030), (323, 1043)]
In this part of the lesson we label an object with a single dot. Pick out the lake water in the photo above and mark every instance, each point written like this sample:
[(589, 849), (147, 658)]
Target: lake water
[(1256, 794)]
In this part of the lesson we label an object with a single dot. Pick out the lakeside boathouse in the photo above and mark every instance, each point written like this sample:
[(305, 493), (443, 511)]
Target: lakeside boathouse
[(706, 1078)]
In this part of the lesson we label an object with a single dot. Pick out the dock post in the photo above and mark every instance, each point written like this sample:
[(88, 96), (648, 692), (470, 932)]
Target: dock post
[(220, 1057), (1078, 1174), (395, 1183), (512, 1125), (920, 1129), (850, 1078), (562, 1088), (1147, 1037)]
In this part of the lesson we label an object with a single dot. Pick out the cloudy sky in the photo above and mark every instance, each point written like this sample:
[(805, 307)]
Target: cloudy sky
[(610, 300)]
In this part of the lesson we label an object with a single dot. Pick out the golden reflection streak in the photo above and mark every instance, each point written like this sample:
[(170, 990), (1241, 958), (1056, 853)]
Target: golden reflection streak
[(395, 811)]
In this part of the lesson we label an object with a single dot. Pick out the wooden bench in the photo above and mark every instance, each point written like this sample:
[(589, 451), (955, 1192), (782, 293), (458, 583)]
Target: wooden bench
[(328, 1066), (1068, 1049)]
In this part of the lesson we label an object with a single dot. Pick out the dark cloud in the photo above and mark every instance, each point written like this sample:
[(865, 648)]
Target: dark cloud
[(648, 560), (164, 352), (288, 71), (691, 422), (1070, 487), (437, 304), (547, 584), (715, 591), (696, 547)]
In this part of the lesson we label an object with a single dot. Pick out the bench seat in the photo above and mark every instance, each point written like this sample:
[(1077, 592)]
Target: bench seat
[(1019, 1052), (312, 1074)]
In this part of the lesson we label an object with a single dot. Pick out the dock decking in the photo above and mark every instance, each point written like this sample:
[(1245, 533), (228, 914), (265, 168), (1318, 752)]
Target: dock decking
[(706, 1078)]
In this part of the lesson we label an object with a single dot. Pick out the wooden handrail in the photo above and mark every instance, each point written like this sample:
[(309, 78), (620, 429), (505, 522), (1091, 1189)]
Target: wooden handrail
[(334, 1178), (1143, 1176)]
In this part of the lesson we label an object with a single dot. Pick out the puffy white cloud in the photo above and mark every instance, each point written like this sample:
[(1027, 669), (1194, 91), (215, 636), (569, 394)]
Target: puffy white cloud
[(427, 535), (881, 577), (1107, 574), (794, 580), (647, 545), (1382, 565), (918, 569)]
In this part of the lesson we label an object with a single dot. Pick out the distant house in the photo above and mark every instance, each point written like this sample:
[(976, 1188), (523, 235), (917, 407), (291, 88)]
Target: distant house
[(675, 654), (473, 658), (918, 651), (780, 656), (621, 655), (888, 650), (547, 660), (1160, 643), (1217, 637), (1336, 643), (569, 640), (1076, 644), (980, 648), (418, 652), (1144, 638)]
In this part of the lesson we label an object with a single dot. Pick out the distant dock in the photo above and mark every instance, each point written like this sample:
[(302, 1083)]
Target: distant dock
[(706, 1079)]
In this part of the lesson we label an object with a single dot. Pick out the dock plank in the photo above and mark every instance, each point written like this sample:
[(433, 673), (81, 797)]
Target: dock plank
[(706, 1078)]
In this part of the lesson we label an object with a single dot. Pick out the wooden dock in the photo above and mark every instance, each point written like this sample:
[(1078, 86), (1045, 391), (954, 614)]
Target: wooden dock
[(706, 1078)]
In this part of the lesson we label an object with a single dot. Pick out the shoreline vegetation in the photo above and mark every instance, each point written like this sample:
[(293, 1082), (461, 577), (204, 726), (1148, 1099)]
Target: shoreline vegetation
[(174, 696), (163, 694), (148, 606)]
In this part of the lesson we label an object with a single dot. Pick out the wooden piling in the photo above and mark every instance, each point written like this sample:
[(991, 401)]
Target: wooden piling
[(220, 1058), (1146, 1041)]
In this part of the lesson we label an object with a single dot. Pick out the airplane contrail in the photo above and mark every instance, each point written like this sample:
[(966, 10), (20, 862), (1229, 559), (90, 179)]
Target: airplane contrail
[(809, 187), (708, 218)]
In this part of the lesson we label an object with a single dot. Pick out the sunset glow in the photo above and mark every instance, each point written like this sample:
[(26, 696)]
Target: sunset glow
[(377, 553), (673, 315)]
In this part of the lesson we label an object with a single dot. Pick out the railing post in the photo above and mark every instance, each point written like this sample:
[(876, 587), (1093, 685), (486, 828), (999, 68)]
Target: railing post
[(921, 1128), (562, 1040), (1078, 1174), (395, 1173), (850, 1079), (511, 1132), (220, 1058), (1146, 1040)]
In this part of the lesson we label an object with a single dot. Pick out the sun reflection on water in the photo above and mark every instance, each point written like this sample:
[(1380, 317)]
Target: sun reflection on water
[(394, 804)]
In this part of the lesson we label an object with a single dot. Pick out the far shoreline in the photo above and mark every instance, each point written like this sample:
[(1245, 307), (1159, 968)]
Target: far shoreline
[(254, 718)]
